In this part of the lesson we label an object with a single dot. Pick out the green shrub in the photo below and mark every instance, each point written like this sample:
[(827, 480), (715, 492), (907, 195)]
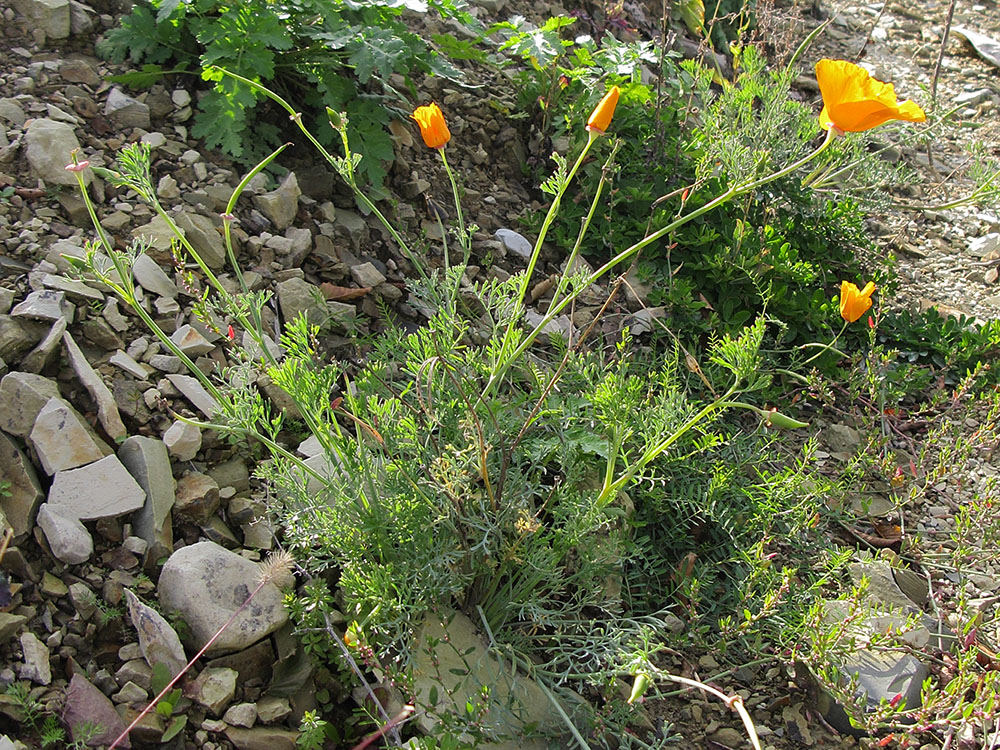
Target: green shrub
[(333, 54), (781, 251)]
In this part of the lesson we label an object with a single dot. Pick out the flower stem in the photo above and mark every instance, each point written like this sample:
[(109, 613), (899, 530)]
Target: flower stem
[(732, 192), (463, 237), (828, 347)]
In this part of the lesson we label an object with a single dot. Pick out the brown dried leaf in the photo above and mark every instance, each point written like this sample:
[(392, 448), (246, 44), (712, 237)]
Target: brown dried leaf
[(343, 293)]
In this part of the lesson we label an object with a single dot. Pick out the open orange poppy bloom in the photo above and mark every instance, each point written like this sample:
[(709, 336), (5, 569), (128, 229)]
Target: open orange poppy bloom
[(433, 128), (854, 302), (854, 101), (600, 118)]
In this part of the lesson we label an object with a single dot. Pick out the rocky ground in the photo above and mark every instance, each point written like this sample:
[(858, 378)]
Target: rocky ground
[(112, 500)]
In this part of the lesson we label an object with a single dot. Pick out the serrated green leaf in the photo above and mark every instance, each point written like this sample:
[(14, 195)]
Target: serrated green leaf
[(138, 38), (166, 9), (143, 78), (221, 122), (376, 51), (459, 49)]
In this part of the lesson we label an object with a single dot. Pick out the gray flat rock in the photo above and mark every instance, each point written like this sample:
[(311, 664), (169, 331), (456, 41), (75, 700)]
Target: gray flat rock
[(280, 205), (22, 396), (190, 341), (103, 489), (39, 358), (138, 370), (36, 666), (24, 493), (515, 243), (107, 409), (195, 392), (125, 111), (453, 664), (61, 439), (49, 147), (50, 16), (204, 238), (68, 538), (152, 278), (85, 706), (147, 461), (157, 639), (157, 233), (46, 304), (183, 440)]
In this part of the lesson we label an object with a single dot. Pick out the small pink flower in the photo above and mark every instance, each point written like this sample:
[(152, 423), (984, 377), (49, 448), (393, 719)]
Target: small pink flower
[(227, 217), (77, 166)]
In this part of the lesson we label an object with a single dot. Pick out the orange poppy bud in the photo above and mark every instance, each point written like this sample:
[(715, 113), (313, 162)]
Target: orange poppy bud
[(854, 302), (854, 101), (600, 118), (433, 128)]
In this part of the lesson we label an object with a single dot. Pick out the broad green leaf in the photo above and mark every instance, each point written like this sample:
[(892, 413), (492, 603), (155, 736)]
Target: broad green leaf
[(160, 677), (175, 727)]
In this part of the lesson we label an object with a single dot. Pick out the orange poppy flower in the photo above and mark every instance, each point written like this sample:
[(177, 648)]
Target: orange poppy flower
[(600, 118), (854, 302), (854, 101), (433, 128)]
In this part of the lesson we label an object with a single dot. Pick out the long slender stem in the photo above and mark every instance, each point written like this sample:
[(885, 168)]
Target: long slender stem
[(592, 135), (463, 236), (584, 226), (829, 347), (348, 171), (734, 702), (610, 490), (735, 190)]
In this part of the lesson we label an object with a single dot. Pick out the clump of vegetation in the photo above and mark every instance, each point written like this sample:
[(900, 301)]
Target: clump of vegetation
[(345, 56), (43, 724), (572, 498)]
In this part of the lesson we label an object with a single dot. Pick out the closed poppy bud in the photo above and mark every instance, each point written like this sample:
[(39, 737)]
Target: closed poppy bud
[(600, 118), (336, 119), (433, 128), (783, 422), (854, 302), (638, 687)]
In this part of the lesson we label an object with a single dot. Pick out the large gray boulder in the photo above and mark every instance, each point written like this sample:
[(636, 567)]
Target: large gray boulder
[(206, 584), (49, 16)]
